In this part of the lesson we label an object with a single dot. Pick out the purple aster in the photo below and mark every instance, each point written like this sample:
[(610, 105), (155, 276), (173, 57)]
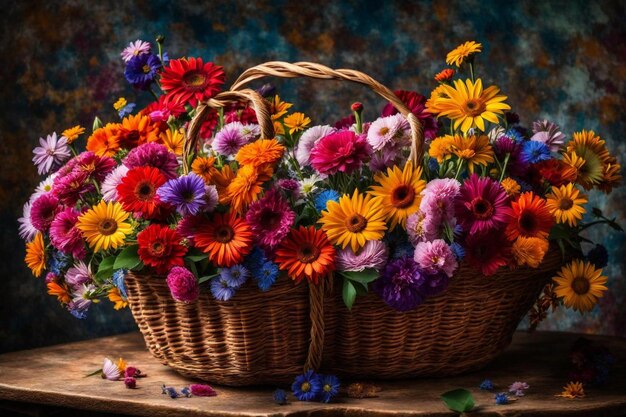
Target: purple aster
[(27, 230), (134, 49), (51, 154), (65, 236), (141, 70), (307, 387), (400, 284), (270, 219), (154, 155), (43, 211), (186, 193), (373, 255), (78, 274), (230, 139)]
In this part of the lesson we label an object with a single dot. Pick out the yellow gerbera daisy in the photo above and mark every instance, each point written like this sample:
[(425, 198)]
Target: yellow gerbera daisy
[(354, 220), (469, 105), (73, 133), (296, 122), (457, 55), (573, 390), (279, 108), (36, 255), (441, 148), (473, 149), (566, 204), (399, 192), (116, 298), (174, 141), (580, 284), (511, 187), (104, 226), (588, 146), (435, 95)]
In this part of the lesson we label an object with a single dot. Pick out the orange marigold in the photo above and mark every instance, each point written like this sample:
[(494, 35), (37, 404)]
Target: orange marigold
[(137, 130), (260, 152), (204, 168), (105, 140), (247, 186)]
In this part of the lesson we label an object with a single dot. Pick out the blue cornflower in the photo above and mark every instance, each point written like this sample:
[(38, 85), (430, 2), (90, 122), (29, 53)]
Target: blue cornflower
[(186, 392), (486, 385), (266, 275), (330, 388), (78, 313), (118, 281), (514, 134), (433, 165), (141, 70), (502, 398), (221, 290), (126, 110), (307, 387), (322, 199), (255, 259), (458, 250), (235, 276), (534, 152), (171, 391), (598, 256), (280, 397), (57, 263)]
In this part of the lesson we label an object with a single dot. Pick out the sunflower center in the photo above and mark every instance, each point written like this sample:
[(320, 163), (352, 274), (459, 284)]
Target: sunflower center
[(566, 204), (580, 285), (356, 223), (269, 219), (306, 387), (146, 69), (481, 208), (474, 107), (195, 80), (157, 248), (107, 227), (527, 222), (308, 253), (403, 196), (144, 191), (224, 234)]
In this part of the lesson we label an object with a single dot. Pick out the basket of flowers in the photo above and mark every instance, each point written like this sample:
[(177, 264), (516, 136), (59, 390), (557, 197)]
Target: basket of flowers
[(251, 245)]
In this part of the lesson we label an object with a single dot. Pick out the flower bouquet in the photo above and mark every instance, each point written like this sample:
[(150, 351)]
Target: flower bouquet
[(250, 242)]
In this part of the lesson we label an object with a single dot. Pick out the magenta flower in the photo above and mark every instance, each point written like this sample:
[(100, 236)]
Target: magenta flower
[(188, 226), (417, 105), (71, 187), (64, 234), (134, 49), (389, 131), (435, 256), (96, 167), (43, 212), (372, 255), (230, 139), (183, 285), (343, 151), (154, 155), (270, 219), (438, 199), (308, 139), (482, 206), (518, 388), (51, 154)]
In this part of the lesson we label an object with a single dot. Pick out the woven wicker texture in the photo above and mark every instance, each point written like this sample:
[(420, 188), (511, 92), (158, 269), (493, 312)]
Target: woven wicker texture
[(269, 337)]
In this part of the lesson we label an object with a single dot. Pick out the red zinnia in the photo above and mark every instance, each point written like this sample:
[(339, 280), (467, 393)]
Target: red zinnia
[(227, 238), (487, 252), (160, 248), (530, 217), (190, 80), (138, 190), (306, 252)]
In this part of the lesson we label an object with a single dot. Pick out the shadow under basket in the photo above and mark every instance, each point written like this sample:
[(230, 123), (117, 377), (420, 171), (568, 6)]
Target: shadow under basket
[(270, 337)]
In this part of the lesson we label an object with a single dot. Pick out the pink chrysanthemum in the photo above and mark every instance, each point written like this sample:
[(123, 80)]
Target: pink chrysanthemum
[(230, 139), (421, 227), (27, 230), (389, 131), (270, 219), (78, 274), (43, 211), (435, 256), (64, 234), (482, 206), (373, 255), (308, 139), (342, 151), (110, 183), (154, 155), (51, 154), (69, 188), (134, 49), (438, 199)]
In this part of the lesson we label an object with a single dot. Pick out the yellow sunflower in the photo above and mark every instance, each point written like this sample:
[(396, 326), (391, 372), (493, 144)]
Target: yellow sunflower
[(473, 149), (580, 284), (566, 204), (611, 177), (469, 105), (441, 148), (174, 141), (296, 122), (104, 226), (354, 220), (399, 192), (116, 298), (279, 108), (36, 255), (458, 55)]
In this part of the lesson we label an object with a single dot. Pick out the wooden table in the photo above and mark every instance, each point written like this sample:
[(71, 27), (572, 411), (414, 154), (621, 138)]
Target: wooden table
[(50, 381)]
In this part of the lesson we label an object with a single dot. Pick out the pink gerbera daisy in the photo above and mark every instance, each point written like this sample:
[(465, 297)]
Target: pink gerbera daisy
[(482, 206), (64, 234), (342, 151), (435, 256), (134, 49), (110, 183), (270, 219), (43, 211)]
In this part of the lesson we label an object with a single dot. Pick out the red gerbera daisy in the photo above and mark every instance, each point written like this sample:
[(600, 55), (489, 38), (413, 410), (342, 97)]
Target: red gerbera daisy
[(190, 80), (227, 238), (306, 252), (160, 248), (487, 252), (138, 190), (530, 217)]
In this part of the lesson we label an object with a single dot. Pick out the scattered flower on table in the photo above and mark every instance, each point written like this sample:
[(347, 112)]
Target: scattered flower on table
[(110, 370), (573, 390), (202, 390), (518, 388), (130, 382), (307, 387), (171, 391), (486, 385), (362, 390), (280, 397), (330, 388), (501, 398)]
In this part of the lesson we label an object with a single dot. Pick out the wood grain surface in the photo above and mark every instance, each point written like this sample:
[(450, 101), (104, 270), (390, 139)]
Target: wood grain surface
[(55, 376)]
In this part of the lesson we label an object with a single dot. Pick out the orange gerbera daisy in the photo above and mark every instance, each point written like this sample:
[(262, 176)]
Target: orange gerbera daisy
[(60, 292), (105, 140), (138, 129), (444, 75), (204, 168), (530, 217), (306, 252), (36, 255), (247, 186), (226, 238), (221, 180), (260, 152), (529, 251)]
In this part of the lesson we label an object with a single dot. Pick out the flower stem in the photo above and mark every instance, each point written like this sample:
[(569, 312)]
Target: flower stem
[(506, 162), (458, 169), (471, 66)]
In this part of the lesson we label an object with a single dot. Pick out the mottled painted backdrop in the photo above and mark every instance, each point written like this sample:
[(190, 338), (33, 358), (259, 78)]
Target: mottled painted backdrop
[(560, 60)]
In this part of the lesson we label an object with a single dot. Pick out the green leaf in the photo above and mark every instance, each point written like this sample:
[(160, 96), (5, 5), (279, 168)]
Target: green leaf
[(196, 255), (206, 278), (97, 124), (98, 372), (105, 269), (348, 293), (192, 267), (459, 400), (128, 258), (365, 276)]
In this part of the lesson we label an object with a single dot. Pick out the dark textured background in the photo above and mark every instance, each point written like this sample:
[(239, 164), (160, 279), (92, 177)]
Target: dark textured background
[(61, 66)]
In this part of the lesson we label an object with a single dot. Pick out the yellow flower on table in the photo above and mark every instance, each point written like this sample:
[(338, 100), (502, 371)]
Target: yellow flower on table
[(566, 204), (104, 226), (580, 284), (465, 50), (573, 390)]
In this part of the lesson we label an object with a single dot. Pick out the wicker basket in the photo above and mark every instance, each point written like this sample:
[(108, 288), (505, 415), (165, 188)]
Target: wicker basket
[(269, 337)]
